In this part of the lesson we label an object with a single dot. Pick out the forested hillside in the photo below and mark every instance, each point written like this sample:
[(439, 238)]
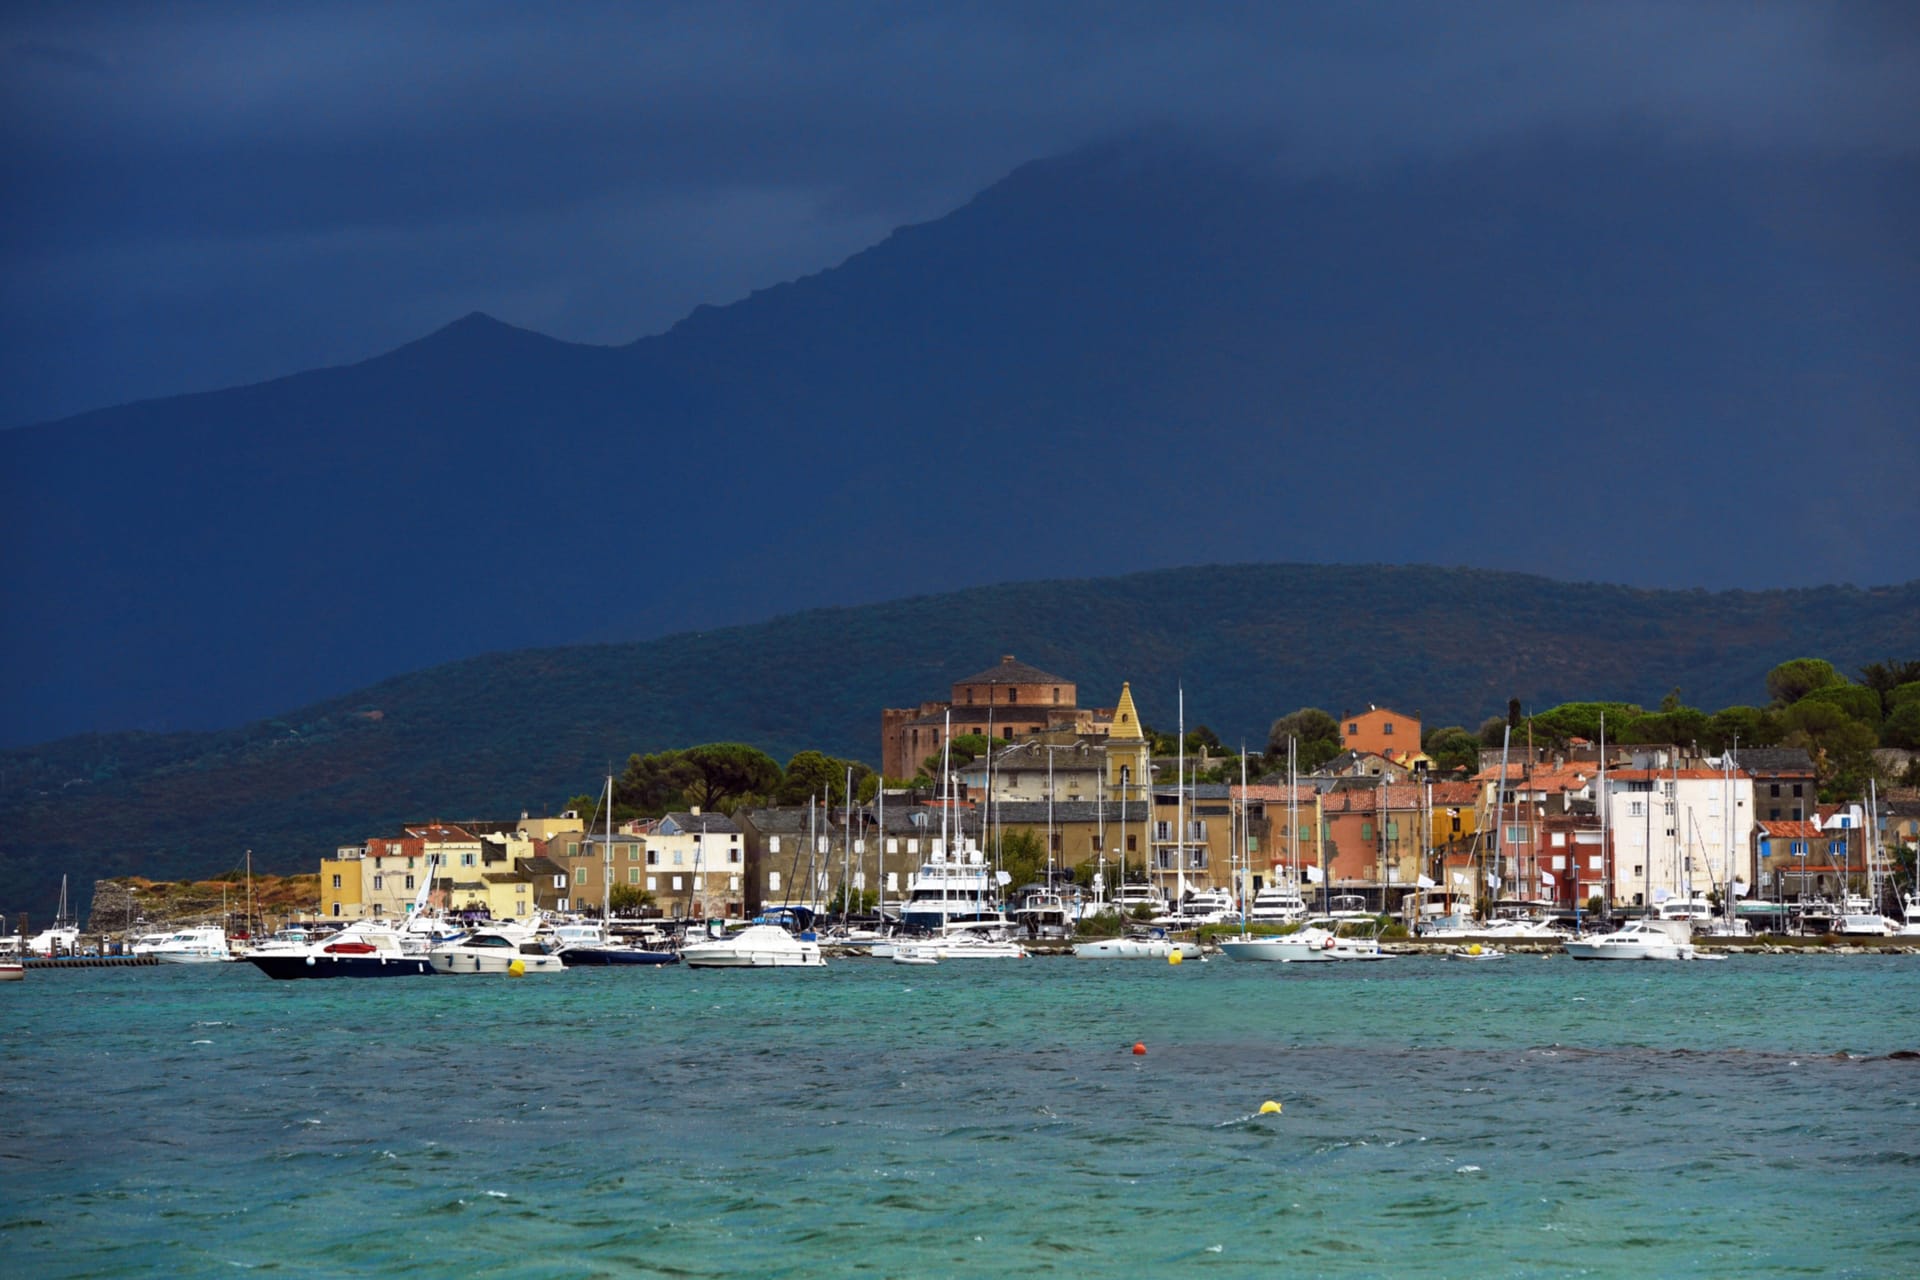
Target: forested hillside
[(495, 735)]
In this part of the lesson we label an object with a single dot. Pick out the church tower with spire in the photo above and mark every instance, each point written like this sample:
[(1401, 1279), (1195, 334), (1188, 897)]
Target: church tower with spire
[(1129, 754)]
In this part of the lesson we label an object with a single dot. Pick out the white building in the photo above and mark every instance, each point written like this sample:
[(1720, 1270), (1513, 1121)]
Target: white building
[(696, 864), (1678, 831)]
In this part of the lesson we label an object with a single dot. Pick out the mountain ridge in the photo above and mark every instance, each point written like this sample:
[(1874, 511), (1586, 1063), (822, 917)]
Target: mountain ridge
[(1567, 362)]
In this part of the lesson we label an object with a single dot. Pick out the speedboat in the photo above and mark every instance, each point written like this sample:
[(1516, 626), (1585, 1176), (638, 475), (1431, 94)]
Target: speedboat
[(1474, 951), (1864, 924), (593, 945), (1155, 948), (206, 944), (1635, 940), (1910, 908), (493, 953), (358, 951), (758, 946), (1518, 927), (1310, 945)]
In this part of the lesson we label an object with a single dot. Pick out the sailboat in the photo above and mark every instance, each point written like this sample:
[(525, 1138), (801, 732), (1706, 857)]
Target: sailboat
[(585, 945), (1864, 919), (62, 937)]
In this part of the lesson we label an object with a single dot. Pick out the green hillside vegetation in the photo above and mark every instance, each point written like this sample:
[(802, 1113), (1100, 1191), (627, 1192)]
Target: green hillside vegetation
[(493, 736)]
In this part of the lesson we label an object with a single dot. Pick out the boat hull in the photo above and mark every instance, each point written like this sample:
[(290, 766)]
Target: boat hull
[(741, 959), (1136, 949), (289, 967), (614, 957), (458, 962)]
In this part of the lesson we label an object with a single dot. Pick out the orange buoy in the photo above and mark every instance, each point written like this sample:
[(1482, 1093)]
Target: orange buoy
[(1139, 1049)]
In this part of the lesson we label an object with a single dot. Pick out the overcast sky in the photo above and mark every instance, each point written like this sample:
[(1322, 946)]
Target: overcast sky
[(198, 195)]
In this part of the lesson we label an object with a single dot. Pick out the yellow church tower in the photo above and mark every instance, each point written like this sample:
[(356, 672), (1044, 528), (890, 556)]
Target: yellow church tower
[(1129, 754)]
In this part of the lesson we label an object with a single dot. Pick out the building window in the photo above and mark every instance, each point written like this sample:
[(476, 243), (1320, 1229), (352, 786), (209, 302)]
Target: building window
[(1387, 728), (336, 884), (677, 856), (409, 882), (1776, 789), (1056, 695), (336, 906), (1353, 728), (1162, 830), (1013, 695), (1366, 831), (1133, 844), (1796, 788), (969, 695), (466, 859), (633, 875), (676, 884), (1636, 810), (573, 848), (653, 857), (378, 883), (733, 857), (653, 883)]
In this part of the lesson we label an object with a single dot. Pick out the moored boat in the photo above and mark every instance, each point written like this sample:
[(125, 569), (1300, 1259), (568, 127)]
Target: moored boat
[(494, 952), (1308, 946), (359, 951), (1635, 940), (758, 946), (206, 944)]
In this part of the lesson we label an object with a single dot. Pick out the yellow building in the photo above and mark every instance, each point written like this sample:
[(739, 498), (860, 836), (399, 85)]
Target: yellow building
[(340, 884), (1129, 754)]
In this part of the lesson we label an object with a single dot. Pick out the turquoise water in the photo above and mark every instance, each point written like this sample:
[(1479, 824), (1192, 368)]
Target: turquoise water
[(1523, 1117)]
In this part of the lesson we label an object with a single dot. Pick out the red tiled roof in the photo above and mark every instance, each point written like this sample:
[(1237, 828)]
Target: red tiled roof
[(1791, 830)]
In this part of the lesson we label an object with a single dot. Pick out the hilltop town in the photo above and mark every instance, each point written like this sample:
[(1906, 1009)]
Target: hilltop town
[(1378, 806)]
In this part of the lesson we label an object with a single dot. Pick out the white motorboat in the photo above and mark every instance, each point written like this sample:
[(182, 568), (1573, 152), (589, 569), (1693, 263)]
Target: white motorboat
[(758, 946), (1310, 945), (206, 944), (1136, 949), (364, 950), (910, 956), (980, 941), (493, 953), (1863, 924), (1131, 897), (1343, 908), (1635, 940), (1474, 951), (1277, 904), (1910, 908)]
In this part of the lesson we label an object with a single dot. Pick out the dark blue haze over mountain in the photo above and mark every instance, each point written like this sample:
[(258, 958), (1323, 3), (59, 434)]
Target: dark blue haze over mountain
[(1632, 364)]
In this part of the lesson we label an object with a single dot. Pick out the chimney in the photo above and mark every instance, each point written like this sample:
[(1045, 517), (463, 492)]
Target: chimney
[(695, 811), (1006, 659)]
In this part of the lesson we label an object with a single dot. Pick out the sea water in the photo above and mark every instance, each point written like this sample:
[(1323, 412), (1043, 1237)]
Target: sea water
[(1519, 1117)]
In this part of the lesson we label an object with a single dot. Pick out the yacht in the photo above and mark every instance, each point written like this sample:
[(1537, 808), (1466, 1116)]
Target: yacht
[(1310, 945), (950, 891), (358, 951), (758, 946), (493, 952), (206, 944), (1277, 904), (1635, 940), (1910, 908)]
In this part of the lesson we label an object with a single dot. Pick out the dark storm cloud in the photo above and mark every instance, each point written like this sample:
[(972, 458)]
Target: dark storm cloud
[(202, 195)]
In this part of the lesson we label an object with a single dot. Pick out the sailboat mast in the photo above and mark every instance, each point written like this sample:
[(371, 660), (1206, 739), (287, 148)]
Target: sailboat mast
[(1606, 851), (880, 851), (1179, 799), (846, 853), (1495, 880), (606, 879)]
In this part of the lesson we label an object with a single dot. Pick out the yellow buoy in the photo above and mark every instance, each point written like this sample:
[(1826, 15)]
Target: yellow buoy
[(517, 969), (1473, 949), (1173, 956), (1269, 1108)]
